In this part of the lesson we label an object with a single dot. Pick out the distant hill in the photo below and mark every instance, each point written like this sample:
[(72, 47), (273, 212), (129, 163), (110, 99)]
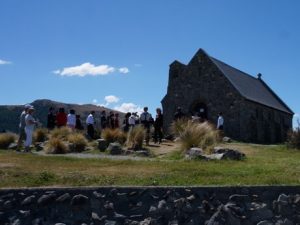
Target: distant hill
[(9, 114)]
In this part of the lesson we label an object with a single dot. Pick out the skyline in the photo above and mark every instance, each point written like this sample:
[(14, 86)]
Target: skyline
[(117, 53)]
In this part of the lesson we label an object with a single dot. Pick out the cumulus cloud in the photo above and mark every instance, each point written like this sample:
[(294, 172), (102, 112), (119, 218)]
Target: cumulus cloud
[(111, 99), (124, 70), (4, 62), (85, 69), (89, 69), (95, 101), (128, 107)]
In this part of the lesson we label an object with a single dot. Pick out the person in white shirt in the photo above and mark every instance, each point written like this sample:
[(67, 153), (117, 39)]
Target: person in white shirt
[(71, 119), (90, 124), (30, 122), (220, 122), (131, 120), (22, 124)]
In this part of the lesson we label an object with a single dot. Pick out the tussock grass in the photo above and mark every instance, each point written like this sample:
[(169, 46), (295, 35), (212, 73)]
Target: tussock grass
[(40, 135), (6, 139), (136, 136), (114, 135), (78, 141), (56, 146), (194, 134), (61, 133)]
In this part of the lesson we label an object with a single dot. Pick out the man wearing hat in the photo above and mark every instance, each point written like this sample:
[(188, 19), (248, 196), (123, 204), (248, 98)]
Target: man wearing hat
[(30, 122), (22, 135)]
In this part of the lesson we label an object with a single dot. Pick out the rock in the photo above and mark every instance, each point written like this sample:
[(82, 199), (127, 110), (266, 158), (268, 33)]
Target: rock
[(259, 212), (12, 146), (194, 153), (79, 200), (229, 153), (39, 146), (102, 145), (37, 221), (8, 204), (29, 200), (110, 222), (16, 222), (46, 199), (265, 222), (24, 213), (63, 198), (226, 139), (283, 198), (142, 153), (114, 148), (239, 198), (128, 152)]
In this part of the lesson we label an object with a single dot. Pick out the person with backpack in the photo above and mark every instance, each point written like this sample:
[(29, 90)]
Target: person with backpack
[(146, 121)]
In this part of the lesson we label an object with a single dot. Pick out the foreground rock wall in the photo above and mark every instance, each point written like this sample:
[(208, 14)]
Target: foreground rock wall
[(151, 205)]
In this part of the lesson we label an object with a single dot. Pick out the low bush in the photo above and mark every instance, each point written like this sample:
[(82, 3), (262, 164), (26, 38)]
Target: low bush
[(40, 135), (61, 133), (6, 139), (194, 134), (78, 142), (135, 138), (56, 146), (114, 135), (293, 138)]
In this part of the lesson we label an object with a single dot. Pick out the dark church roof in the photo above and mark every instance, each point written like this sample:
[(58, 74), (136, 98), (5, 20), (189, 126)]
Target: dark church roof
[(254, 89)]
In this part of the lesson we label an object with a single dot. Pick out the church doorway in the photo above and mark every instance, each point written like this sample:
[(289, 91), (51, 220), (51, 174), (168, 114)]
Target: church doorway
[(199, 109)]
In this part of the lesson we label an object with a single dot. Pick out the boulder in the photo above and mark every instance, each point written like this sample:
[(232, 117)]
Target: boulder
[(12, 146), (226, 139), (229, 153), (102, 145), (194, 153), (114, 149), (39, 146)]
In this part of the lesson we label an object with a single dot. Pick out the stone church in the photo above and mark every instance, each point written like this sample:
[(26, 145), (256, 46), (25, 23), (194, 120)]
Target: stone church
[(252, 111)]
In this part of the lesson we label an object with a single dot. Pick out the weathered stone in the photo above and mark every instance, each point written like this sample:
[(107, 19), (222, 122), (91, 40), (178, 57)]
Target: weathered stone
[(13, 146), (46, 199), (64, 198), (265, 222), (110, 222), (78, 200), (114, 149), (29, 200), (229, 153), (260, 212), (24, 213), (142, 153), (226, 139), (16, 222), (98, 195), (102, 145), (194, 153), (240, 198)]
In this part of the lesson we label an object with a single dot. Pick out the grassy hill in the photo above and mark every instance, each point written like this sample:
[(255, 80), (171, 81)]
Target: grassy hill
[(9, 114)]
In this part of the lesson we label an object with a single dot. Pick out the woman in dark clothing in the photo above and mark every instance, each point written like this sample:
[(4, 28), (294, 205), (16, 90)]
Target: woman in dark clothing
[(158, 124), (51, 119), (78, 125)]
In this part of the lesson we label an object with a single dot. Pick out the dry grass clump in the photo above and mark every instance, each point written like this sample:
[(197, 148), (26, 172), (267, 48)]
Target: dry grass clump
[(61, 133), (40, 135), (6, 139), (135, 138), (293, 138), (56, 146), (114, 135), (194, 134), (77, 141), (178, 126)]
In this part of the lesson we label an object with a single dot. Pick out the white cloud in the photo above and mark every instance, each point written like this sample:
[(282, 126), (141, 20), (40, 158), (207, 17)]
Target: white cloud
[(296, 115), (90, 69), (85, 69), (3, 62), (124, 70), (129, 107), (95, 101), (111, 99)]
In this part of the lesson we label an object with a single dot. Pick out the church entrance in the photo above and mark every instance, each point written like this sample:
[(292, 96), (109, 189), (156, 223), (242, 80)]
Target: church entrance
[(199, 109)]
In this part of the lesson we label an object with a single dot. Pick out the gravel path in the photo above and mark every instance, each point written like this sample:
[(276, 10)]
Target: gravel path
[(96, 156)]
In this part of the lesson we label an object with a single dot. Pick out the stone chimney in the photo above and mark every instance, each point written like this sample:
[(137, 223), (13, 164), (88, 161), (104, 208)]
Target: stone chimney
[(259, 76)]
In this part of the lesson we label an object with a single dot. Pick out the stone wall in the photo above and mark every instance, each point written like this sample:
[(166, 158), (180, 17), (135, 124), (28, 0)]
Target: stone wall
[(264, 205)]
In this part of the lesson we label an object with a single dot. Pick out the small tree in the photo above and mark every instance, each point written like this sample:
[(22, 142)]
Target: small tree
[(293, 138)]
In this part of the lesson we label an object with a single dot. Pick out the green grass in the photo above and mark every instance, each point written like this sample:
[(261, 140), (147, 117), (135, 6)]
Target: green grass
[(264, 165)]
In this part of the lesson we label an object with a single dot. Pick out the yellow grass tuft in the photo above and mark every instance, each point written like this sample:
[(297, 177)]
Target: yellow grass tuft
[(56, 146), (40, 135), (136, 136), (6, 139), (114, 135), (61, 133), (78, 141)]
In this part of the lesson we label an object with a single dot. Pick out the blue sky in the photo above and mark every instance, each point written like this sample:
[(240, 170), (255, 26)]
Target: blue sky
[(47, 47)]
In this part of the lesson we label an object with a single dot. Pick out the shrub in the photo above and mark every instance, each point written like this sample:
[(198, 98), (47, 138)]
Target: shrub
[(61, 133), (178, 126), (114, 135), (6, 139), (40, 135), (56, 146), (78, 141), (293, 138), (194, 134), (136, 136)]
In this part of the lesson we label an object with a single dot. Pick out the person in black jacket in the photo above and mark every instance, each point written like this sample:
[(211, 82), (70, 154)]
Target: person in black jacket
[(78, 125), (158, 125), (51, 119)]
